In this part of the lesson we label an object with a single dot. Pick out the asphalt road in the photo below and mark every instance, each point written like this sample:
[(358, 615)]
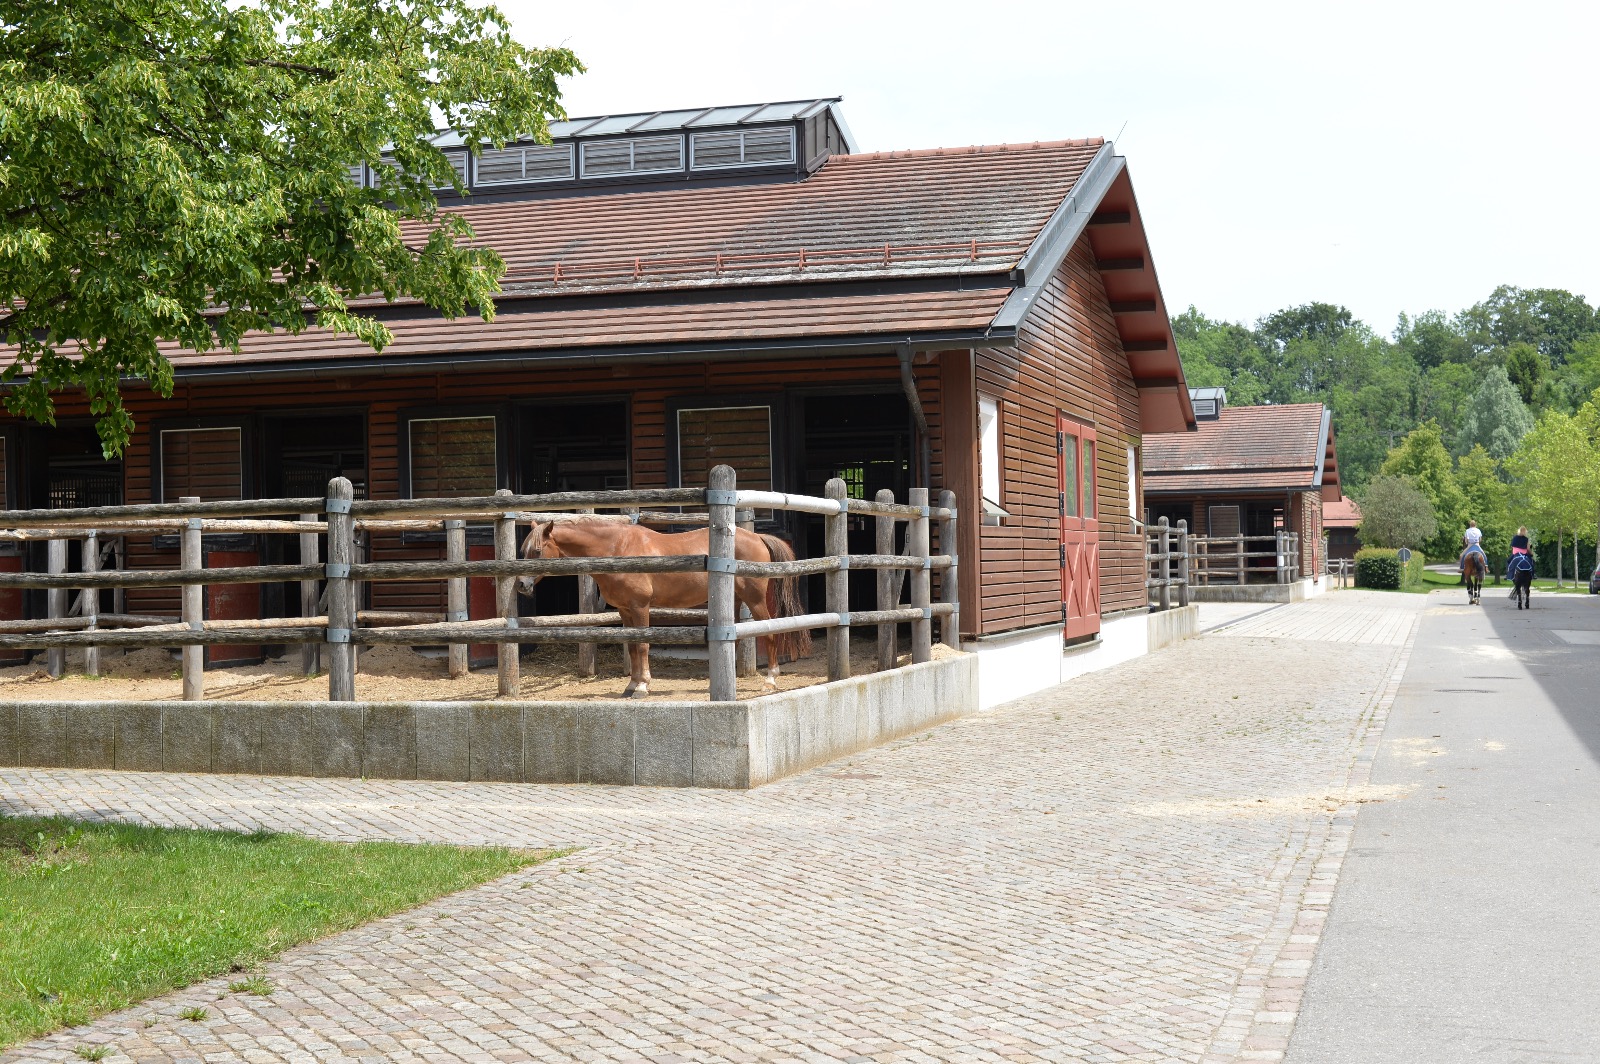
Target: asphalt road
[(1466, 922)]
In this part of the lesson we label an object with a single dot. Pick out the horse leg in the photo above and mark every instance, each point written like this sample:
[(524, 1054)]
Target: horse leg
[(755, 600), (638, 653)]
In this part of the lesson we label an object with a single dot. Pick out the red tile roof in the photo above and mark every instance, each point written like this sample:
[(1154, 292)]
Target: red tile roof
[(1342, 513), (1247, 448), (729, 321), (890, 214)]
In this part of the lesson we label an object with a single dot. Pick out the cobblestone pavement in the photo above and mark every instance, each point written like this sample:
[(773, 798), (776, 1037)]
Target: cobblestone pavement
[(1133, 866)]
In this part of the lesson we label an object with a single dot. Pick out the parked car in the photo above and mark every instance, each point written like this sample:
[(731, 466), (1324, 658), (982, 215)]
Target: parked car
[(1594, 581)]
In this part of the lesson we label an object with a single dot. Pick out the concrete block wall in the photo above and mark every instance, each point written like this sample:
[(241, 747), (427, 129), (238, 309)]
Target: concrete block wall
[(628, 743)]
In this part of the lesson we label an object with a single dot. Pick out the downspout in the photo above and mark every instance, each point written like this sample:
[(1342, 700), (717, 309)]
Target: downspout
[(908, 383)]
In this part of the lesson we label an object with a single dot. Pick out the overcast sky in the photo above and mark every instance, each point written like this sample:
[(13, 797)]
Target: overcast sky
[(1388, 156)]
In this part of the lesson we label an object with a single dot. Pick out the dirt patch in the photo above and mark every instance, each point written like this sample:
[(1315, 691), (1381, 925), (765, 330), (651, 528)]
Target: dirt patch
[(390, 673), (1274, 805)]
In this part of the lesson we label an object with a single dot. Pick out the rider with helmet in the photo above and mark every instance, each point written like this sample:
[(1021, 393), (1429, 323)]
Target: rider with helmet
[(1521, 555)]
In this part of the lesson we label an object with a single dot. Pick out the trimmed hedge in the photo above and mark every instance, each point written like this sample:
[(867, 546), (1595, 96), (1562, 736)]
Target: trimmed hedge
[(1380, 568)]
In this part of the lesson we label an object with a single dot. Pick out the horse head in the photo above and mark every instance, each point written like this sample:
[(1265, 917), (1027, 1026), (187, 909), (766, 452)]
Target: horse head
[(539, 544)]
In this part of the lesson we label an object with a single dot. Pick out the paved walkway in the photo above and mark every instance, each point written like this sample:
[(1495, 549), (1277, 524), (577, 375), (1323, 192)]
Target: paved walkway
[(1464, 924), (1133, 866)]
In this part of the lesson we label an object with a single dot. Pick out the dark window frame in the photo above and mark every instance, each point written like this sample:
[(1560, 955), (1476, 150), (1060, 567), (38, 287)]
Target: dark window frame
[(519, 409), (777, 429), (503, 439), (249, 485)]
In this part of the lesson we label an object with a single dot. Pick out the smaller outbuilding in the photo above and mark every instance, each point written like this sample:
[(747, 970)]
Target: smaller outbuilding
[(1340, 520), (1248, 471)]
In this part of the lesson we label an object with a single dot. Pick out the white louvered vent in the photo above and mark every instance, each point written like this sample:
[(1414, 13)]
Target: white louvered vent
[(1206, 408), (357, 173), (743, 147), (458, 163), (642, 155), (534, 162)]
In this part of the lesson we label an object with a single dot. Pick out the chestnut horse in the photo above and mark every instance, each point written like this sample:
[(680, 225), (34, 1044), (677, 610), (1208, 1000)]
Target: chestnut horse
[(633, 594)]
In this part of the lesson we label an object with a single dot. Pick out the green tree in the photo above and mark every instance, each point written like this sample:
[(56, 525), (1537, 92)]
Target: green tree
[(1497, 418), (1395, 514), (1432, 340), (1488, 498), (1220, 354), (1528, 368), (1555, 476), (1422, 459), (1550, 320), (177, 171)]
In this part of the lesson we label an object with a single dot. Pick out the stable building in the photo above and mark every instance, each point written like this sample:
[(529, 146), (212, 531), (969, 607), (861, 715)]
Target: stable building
[(732, 284), (1248, 471)]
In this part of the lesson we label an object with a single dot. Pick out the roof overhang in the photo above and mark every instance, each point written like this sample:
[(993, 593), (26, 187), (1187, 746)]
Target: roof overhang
[(1103, 206), (1328, 460)]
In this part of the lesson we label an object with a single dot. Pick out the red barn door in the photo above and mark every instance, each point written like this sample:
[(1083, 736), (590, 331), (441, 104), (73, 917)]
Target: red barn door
[(1080, 527)]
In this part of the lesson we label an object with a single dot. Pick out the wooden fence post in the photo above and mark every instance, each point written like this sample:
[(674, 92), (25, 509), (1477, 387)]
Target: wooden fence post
[(588, 602), (55, 600), (310, 554), (191, 558), (1239, 560), (747, 647), (721, 606), (1279, 560), (91, 601), (341, 595), (950, 579), (836, 543), (917, 545), (888, 641), (1164, 553), (1183, 562), (455, 592), (507, 655)]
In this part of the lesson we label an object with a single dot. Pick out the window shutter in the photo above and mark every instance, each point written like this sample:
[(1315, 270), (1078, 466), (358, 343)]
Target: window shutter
[(206, 463), (739, 436), (452, 457)]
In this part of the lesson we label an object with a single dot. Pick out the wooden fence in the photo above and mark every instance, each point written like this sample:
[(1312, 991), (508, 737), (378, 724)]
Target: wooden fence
[(1245, 559), (330, 626), (1167, 558)]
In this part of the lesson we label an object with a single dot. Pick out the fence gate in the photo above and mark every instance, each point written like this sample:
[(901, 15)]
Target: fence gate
[(1080, 527)]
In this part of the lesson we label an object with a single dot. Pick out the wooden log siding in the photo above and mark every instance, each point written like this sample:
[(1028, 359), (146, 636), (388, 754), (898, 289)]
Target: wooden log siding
[(1068, 356), (648, 388)]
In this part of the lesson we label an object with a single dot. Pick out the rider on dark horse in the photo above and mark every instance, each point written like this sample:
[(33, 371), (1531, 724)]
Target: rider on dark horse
[(1521, 556)]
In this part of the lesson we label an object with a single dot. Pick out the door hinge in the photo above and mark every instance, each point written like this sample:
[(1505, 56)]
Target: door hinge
[(1061, 442), (1063, 555)]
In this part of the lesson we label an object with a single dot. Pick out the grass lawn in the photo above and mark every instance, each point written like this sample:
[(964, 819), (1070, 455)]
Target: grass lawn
[(96, 917), (1432, 581)]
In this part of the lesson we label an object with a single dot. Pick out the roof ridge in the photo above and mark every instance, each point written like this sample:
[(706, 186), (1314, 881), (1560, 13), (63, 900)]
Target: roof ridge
[(975, 149)]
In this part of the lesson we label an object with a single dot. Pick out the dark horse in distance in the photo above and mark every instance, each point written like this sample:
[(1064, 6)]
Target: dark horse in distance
[(1521, 580)]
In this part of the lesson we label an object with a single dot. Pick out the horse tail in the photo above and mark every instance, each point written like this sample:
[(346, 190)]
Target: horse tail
[(783, 600)]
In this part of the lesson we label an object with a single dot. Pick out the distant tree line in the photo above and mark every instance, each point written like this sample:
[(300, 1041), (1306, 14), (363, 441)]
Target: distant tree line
[(1491, 414)]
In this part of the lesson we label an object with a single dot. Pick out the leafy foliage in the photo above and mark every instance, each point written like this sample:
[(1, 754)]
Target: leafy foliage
[(176, 172), (1497, 418), (1394, 513), (1422, 460)]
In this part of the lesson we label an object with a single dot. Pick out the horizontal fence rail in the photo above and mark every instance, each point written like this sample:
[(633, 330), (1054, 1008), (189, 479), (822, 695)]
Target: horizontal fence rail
[(330, 626), (1175, 559)]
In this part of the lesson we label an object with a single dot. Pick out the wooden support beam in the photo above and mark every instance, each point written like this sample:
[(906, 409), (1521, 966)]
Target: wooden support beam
[(1144, 345), (1111, 218), (1107, 265), (1133, 306)]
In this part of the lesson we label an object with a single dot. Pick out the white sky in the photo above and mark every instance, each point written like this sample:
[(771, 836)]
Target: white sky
[(1392, 156)]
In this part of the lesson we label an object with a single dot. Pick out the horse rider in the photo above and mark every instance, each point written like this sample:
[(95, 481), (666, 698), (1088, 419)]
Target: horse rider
[(1472, 541), (1520, 545)]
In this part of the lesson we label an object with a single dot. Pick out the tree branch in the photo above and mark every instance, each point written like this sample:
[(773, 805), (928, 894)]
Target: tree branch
[(326, 73)]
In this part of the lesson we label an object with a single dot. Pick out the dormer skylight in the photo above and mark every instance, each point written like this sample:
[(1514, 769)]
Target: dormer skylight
[(763, 141)]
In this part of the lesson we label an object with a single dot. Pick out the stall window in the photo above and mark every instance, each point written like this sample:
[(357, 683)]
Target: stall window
[(1133, 481), (739, 436), (453, 456), (991, 477), (207, 463)]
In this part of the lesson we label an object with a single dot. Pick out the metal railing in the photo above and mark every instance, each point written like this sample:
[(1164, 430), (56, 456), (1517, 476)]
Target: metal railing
[(331, 624)]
